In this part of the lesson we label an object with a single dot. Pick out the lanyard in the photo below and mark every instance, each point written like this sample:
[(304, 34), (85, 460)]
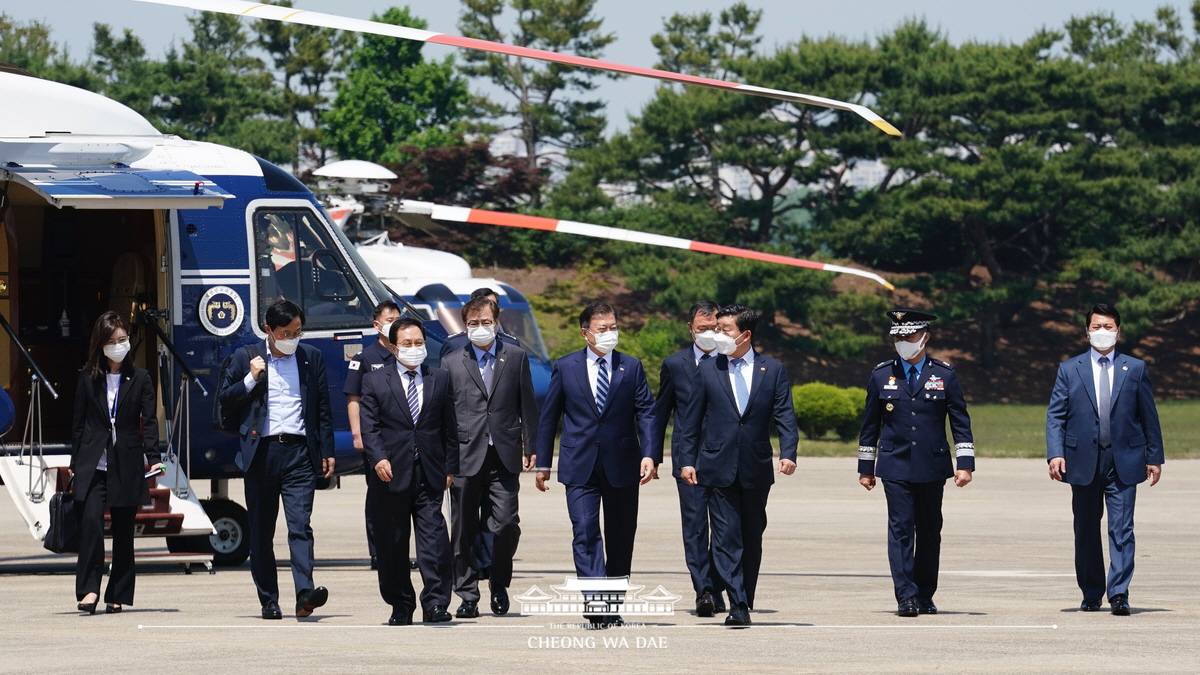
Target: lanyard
[(112, 413)]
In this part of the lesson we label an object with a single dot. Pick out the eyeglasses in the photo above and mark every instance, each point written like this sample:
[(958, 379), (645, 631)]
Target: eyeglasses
[(410, 343), (118, 341), (486, 323), (290, 336)]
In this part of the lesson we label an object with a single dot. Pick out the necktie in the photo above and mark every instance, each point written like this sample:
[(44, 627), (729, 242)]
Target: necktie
[(912, 378), (739, 386), (1104, 403), (486, 370), (414, 401), (601, 385), (705, 356)]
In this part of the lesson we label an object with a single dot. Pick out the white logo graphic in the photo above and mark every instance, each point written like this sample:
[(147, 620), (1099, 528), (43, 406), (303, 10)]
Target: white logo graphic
[(598, 595)]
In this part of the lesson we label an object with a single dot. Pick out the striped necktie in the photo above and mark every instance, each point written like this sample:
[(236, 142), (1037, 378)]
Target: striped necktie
[(601, 385), (414, 401)]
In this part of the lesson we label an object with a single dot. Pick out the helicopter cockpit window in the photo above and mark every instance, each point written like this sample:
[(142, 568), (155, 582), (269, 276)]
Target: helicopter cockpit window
[(297, 259)]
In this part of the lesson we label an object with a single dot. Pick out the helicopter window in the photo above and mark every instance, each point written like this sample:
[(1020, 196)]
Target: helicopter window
[(297, 260)]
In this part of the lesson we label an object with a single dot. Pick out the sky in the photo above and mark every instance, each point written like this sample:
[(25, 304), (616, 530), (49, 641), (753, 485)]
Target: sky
[(634, 22)]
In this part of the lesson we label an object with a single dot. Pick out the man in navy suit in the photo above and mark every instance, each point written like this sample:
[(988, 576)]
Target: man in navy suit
[(674, 389), (410, 439), (723, 442), (607, 446), (1103, 438), (286, 442), (903, 442)]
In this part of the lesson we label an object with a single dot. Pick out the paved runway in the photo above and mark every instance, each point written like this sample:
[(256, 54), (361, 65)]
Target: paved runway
[(1007, 595)]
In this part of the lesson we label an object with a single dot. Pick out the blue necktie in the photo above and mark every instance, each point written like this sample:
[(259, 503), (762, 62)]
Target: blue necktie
[(739, 386), (414, 401), (912, 378), (601, 385), (485, 371), (1104, 403)]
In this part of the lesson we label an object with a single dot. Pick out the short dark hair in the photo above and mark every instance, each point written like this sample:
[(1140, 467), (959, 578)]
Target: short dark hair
[(746, 318), (281, 313), (594, 308), (480, 302), (106, 324), (704, 307), (1103, 309), (385, 306), (404, 322), (484, 292)]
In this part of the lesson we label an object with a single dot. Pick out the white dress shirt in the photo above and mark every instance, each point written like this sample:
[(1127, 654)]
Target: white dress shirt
[(699, 354), (1096, 372), (113, 386), (420, 381), (747, 372), (593, 369)]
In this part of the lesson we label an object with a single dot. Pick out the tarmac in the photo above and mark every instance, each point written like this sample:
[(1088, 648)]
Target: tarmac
[(1008, 599)]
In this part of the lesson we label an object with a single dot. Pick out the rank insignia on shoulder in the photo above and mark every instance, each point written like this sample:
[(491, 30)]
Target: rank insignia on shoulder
[(942, 363), (884, 363)]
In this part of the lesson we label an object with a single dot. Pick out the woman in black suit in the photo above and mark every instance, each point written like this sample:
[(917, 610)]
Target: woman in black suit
[(115, 433)]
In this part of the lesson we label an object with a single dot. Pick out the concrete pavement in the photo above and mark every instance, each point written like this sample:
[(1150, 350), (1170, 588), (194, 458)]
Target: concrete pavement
[(1007, 595)]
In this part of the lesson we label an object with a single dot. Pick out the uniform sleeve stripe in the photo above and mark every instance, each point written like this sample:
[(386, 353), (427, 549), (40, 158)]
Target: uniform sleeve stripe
[(964, 449), (866, 452)]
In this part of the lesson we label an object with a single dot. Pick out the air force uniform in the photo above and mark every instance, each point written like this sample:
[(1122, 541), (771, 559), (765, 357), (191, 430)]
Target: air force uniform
[(373, 357), (903, 443)]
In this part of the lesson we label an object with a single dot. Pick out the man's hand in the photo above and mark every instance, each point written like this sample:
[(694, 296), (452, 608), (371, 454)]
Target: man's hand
[(1153, 473), (1058, 467), (648, 472), (540, 478), (866, 480), (688, 474), (449, 481), (383, 469), (530, 462), (962, 477), (327, 467), (787, 467), (358, 444), (257, 365)]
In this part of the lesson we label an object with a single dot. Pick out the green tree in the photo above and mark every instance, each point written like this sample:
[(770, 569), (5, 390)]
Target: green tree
[(544, 103), (123, 72), (392, 97), (28, 46)]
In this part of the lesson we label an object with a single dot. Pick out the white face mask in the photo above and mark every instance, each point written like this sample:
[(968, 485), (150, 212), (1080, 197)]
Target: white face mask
[(606, 341), (117, 352), (287, 347), (481, 336), (706, 341), (386, 330), (411, 356), (1102, 339), (909, 350), (725, 345)]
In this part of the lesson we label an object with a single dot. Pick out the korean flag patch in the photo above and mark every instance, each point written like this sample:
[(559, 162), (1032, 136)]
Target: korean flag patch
[(354, 364)]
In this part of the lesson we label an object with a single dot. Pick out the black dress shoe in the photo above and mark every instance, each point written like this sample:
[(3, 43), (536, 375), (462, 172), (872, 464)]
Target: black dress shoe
[(596, 623), (500, 604), (436, 614), (705, 606), (400, 619), (87, 607), (485, 573), (926, 606), (412, 564), (112, 609), (907, 607), (1089, 606), (469, 609), (271, 611), (309, 600), (1119, 604), (739, 617)]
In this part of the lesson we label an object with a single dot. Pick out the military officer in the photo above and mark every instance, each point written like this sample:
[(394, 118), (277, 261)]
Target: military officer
[(903, 442)]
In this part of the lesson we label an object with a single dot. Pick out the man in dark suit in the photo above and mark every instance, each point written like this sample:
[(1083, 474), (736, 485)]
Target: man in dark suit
[(1103, 438), (452, 345), (674, 389), (410, 438), (497, 417), (286, 442), (722, 442), (607, 446), (904, 426), (378, 354)]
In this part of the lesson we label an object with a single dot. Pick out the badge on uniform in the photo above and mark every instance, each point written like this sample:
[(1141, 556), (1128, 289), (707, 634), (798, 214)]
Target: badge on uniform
[(889, 407), (891, 383), (376, 366), (354, 365), (935, 383)]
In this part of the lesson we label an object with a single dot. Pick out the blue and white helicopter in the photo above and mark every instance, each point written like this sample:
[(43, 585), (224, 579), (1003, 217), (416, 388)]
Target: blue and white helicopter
[(191, 241)]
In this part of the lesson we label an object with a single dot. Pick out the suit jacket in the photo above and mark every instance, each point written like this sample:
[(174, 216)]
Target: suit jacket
[(137, 435), (619, 438), (252, 405), (906, 428), (509, 412), (1073, 423), (725, 447), (675, 382), (388, 431)]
